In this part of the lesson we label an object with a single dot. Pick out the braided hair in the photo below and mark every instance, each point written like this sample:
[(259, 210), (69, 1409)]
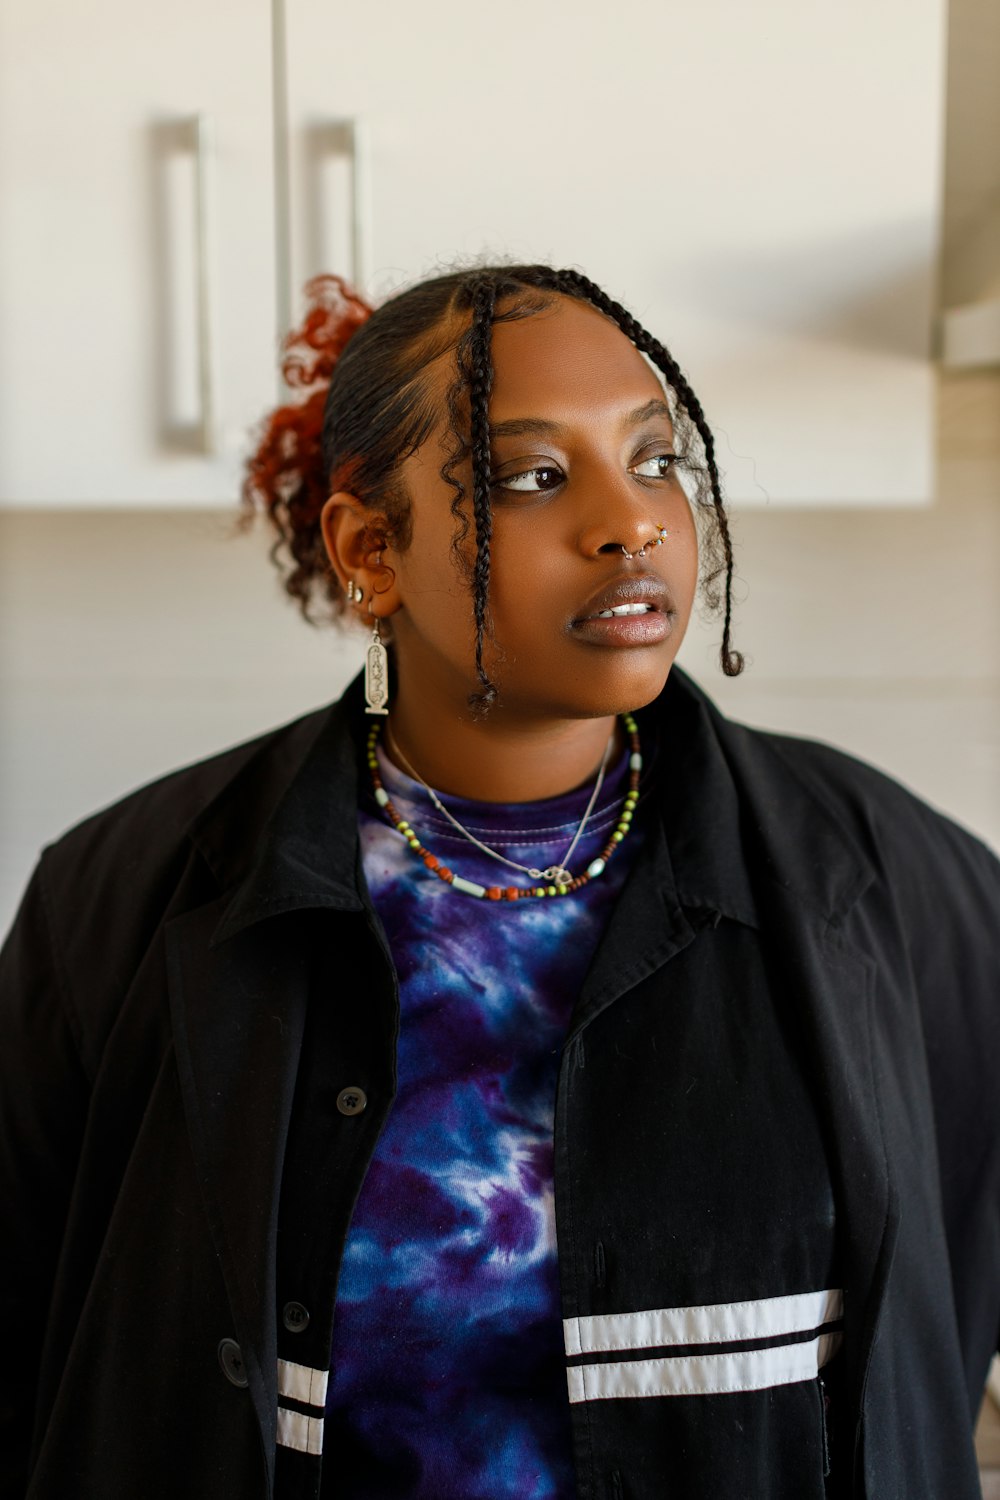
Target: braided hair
[(368, 405)]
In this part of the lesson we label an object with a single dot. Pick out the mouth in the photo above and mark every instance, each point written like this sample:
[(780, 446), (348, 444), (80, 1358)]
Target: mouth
[(631, 610)]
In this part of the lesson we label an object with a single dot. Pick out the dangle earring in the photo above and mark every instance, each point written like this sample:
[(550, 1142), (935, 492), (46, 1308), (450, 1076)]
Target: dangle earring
[(376, 674), (376, 661)]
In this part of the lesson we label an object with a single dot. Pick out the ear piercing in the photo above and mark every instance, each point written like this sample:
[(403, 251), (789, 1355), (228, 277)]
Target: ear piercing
[(355, 593), (657, 541)]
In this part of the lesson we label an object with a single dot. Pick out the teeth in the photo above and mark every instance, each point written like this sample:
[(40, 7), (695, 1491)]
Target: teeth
[(624, 609)]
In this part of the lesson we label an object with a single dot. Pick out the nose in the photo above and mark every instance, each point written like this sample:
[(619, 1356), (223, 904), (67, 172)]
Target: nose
[(620, 517)]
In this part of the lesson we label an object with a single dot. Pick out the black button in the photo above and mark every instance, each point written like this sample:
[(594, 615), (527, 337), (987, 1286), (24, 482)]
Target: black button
[(295, 1317), (351, 1101), (231, 1360)]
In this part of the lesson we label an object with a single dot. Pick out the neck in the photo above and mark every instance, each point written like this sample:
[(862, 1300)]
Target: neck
[(499, 760)]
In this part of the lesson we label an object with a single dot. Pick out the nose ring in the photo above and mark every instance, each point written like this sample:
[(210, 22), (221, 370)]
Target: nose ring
[(657, 541)]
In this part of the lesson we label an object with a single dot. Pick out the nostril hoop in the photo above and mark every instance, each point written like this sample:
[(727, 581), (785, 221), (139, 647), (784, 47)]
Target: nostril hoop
[(656, 541)]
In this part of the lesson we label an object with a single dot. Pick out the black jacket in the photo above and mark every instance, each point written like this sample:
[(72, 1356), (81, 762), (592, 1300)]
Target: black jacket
[(197, 974)]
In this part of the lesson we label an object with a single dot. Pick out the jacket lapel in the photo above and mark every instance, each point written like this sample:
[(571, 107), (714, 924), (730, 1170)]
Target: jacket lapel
[(646, 929)]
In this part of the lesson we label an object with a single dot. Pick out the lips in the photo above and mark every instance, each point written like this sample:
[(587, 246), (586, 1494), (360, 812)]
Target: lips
[(633, 611), (631, 596)]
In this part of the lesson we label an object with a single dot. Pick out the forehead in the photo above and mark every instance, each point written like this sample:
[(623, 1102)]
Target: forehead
[(566, 361)]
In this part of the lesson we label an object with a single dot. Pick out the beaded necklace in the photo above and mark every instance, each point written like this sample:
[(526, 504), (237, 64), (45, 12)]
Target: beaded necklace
[(554, 874), (513, 892)]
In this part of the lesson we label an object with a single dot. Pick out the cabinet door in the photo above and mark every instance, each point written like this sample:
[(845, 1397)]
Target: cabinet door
[(138, 332), (758, 183)]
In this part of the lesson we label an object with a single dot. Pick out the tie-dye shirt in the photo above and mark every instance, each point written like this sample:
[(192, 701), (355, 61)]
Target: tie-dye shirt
[(448, 1379)]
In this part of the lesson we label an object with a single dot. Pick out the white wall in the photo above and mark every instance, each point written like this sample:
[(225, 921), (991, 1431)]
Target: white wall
[(880, 630), (133, 642), (130, 643)]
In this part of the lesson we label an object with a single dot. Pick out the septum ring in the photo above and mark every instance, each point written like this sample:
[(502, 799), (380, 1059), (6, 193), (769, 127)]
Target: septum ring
[(656, 542)]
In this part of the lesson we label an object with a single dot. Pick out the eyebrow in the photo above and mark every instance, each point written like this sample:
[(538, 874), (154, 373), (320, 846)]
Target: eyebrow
[(539, 427)]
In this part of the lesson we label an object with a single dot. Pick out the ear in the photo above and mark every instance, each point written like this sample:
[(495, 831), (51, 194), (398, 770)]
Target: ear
[(355, 540)]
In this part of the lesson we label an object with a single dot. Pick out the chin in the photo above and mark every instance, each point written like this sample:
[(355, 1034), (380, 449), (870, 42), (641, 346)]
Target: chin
[(619, 693)]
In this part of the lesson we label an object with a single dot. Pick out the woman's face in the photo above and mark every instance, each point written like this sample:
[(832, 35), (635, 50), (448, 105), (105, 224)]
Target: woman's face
[(581, 467)]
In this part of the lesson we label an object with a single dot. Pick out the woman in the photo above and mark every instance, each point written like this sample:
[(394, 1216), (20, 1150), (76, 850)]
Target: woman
[(534, 1085)]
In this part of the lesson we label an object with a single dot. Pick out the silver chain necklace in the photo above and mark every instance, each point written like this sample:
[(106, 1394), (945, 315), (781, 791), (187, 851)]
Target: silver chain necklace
[(557, 874)]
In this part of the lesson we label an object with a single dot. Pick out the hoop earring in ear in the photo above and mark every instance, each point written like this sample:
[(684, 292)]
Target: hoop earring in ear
[(376, 674)]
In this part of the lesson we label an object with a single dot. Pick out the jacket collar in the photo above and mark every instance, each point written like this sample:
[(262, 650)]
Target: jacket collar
[(721, 787), (700, 846), (775, 786), (307, 853)]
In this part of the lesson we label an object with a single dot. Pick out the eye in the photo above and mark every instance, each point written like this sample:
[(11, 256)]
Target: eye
[(529, 481), (659, 466)]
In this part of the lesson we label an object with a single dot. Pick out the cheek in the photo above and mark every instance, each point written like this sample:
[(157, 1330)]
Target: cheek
[(527, 566), (436, 594)]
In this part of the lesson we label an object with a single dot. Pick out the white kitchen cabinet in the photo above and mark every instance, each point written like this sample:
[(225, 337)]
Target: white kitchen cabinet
[(760, 184), (116, 387)]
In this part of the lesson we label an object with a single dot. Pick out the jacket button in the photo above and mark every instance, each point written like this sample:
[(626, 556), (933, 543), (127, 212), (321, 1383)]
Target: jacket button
[(351, 1101), (295, 1317), (231, 1360)]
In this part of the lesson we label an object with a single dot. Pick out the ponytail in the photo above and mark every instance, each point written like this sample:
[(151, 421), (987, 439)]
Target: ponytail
[(286, 476)]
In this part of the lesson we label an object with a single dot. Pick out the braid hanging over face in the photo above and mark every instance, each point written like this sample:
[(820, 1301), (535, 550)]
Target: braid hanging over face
[(476, 366)]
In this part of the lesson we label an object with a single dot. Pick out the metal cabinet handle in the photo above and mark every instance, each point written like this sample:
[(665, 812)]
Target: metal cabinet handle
[(343, 140), (204, 140), (357, 137), (284, 299), (346, 138)]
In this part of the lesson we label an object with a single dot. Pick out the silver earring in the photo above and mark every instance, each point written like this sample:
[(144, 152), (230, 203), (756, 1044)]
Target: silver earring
[(354, 593), (376, 674)]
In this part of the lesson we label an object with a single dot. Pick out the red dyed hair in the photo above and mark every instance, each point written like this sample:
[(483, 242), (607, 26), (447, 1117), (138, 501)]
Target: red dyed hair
[(285, 474)]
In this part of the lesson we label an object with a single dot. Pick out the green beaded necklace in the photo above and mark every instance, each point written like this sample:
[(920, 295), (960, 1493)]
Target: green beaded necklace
[(513, 892)]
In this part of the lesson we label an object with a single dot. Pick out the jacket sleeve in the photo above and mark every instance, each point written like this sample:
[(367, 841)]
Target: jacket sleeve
[(934, 912), (43, 1106), (949, 889)]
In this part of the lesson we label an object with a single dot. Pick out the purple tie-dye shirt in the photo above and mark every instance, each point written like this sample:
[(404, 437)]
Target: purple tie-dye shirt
[(448, 1377)]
